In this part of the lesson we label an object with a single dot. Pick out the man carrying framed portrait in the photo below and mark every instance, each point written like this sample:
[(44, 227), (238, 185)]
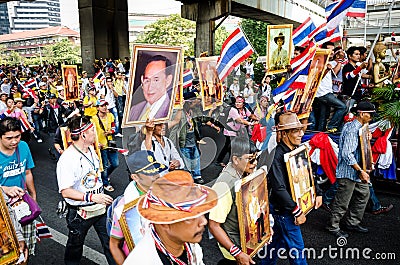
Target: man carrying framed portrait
[(287, 214)]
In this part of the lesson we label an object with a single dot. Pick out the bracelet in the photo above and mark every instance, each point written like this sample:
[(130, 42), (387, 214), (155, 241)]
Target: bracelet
[(87, 197), (234, 250)]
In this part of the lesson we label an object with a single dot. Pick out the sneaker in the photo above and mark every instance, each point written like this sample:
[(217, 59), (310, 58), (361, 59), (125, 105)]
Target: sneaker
[(119, 135), (39, 140), (109, 188), (383, 209)]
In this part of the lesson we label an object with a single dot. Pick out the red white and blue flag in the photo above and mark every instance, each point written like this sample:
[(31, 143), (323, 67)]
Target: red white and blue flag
[(300, 62), (321, 35), (187, 78), (31, 83), (27, 90), (335, 13), (287, 90), (358, 9), (235, 50), (99, 76), (300, 35)]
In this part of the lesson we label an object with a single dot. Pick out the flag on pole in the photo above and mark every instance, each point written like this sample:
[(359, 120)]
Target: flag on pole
[(235, 50), (300, 62), (99, 76), (31, 83), (358, 9), (300, 35), (27, 90), (335, 13), (287, 90), (321, 34), (187, 78)]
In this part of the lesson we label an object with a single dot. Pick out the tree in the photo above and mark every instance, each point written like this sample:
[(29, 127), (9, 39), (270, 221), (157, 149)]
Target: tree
[(256, 32), (177, 31), (62, 51)]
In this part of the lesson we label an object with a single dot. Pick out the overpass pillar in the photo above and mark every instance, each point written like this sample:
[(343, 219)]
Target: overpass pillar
[(103, 30), (205, 13)]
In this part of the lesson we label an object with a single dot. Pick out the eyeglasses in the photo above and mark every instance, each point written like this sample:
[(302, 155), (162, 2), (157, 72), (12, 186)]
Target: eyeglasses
[(250, 159)]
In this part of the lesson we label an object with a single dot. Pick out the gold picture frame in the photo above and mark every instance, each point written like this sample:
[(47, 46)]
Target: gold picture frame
[(303, 99), (70, 82), (253, 212), (130, 213), (8, 238), (178, 103), (366, 150), (66, 139), (301, 179), (136, 105), (278, 56), (206, 68)]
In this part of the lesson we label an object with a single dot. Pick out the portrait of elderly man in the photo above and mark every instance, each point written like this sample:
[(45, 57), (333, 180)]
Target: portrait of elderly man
[(156, 83)]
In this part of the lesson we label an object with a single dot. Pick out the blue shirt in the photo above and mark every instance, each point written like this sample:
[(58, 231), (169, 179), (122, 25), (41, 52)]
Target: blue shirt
[(349, 151), (12, 168)]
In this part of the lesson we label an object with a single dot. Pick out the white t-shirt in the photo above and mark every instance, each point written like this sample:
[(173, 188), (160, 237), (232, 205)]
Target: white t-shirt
[(108, 96), (247, 93), (77, 172), (325, 86), (235, 89)]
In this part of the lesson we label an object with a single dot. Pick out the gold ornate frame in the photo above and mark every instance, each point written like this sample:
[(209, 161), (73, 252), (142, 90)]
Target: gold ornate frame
[(141, 49), (8, 237), (216, 84), (257, 179), (178, 99), (75, 69), (306, 199), (272, 32), (124, 223)]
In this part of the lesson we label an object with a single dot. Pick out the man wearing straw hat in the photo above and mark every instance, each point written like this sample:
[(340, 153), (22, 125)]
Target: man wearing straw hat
[(175, 207), (287, 214)]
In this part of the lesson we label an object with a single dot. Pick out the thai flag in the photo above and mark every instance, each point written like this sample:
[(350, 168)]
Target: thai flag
[(358, 9), (31, 83), (27, 90), (321, 34), (187, 78), (335, 13), (99, 75), (235, 50), (25, 125), (2, 74), (300, 62), (300, 35), (287, 90)]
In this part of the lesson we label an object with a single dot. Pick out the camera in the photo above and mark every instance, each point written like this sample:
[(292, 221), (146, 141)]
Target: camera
[(112, 143)]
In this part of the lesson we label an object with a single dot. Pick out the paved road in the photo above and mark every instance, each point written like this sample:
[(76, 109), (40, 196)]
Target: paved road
[(383, 237)]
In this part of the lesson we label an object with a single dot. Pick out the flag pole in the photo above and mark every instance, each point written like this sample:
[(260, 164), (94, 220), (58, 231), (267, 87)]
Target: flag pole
[(373, 45)]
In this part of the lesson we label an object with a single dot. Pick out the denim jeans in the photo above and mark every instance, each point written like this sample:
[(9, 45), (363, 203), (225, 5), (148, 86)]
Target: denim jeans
[(287, 236), (373, 200), (78, 229), (116, 119), (329, 194), (37, 123), (327, 101), (120, 107), (191, 157), (110, 163)]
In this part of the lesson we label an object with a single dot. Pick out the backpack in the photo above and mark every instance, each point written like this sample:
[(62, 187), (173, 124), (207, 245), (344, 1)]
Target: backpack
[(110, 213)]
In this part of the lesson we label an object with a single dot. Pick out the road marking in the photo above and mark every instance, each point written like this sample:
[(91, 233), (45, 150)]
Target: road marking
[(88, 252)]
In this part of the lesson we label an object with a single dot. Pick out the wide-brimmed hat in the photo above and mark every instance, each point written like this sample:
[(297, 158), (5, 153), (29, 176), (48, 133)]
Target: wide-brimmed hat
[(289, 120), (363, 106), (175, 198), (144, 162), (280, 36)]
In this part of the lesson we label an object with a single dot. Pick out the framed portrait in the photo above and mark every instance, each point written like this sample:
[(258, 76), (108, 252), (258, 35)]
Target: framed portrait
[(303, 99), (70, 82), (210, 85), (130, 223), (366, 150), (8, 239), (253, 212), (301, 180), (279, 47), (66, 139), (154, 77)]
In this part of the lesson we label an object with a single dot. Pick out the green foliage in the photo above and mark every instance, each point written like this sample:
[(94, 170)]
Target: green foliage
[(220, 36), (256, 32), (388, 99), (62, 51), (172, 30)]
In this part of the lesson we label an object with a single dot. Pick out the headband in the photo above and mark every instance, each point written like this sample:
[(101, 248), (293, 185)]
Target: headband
[(82, 129)]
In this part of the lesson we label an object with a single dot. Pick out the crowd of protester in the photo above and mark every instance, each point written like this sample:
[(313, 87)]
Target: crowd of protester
[(164, 167)]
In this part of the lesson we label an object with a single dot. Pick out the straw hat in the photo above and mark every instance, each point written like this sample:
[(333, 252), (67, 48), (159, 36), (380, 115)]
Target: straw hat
[(164, 202), (289, 121)]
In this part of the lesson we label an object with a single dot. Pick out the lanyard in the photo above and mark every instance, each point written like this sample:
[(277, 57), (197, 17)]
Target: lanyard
[(160, 246), (91, 155)]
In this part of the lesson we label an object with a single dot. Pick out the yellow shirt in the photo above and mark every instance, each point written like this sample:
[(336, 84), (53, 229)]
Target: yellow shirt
[(107, 122), (92, 110), (118, 85)]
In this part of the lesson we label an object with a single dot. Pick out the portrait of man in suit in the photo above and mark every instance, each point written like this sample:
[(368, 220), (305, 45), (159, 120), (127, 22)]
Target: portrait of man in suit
[(151, 90)]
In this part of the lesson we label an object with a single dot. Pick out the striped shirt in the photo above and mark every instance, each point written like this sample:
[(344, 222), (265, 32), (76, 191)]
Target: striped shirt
[(349, 151)]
